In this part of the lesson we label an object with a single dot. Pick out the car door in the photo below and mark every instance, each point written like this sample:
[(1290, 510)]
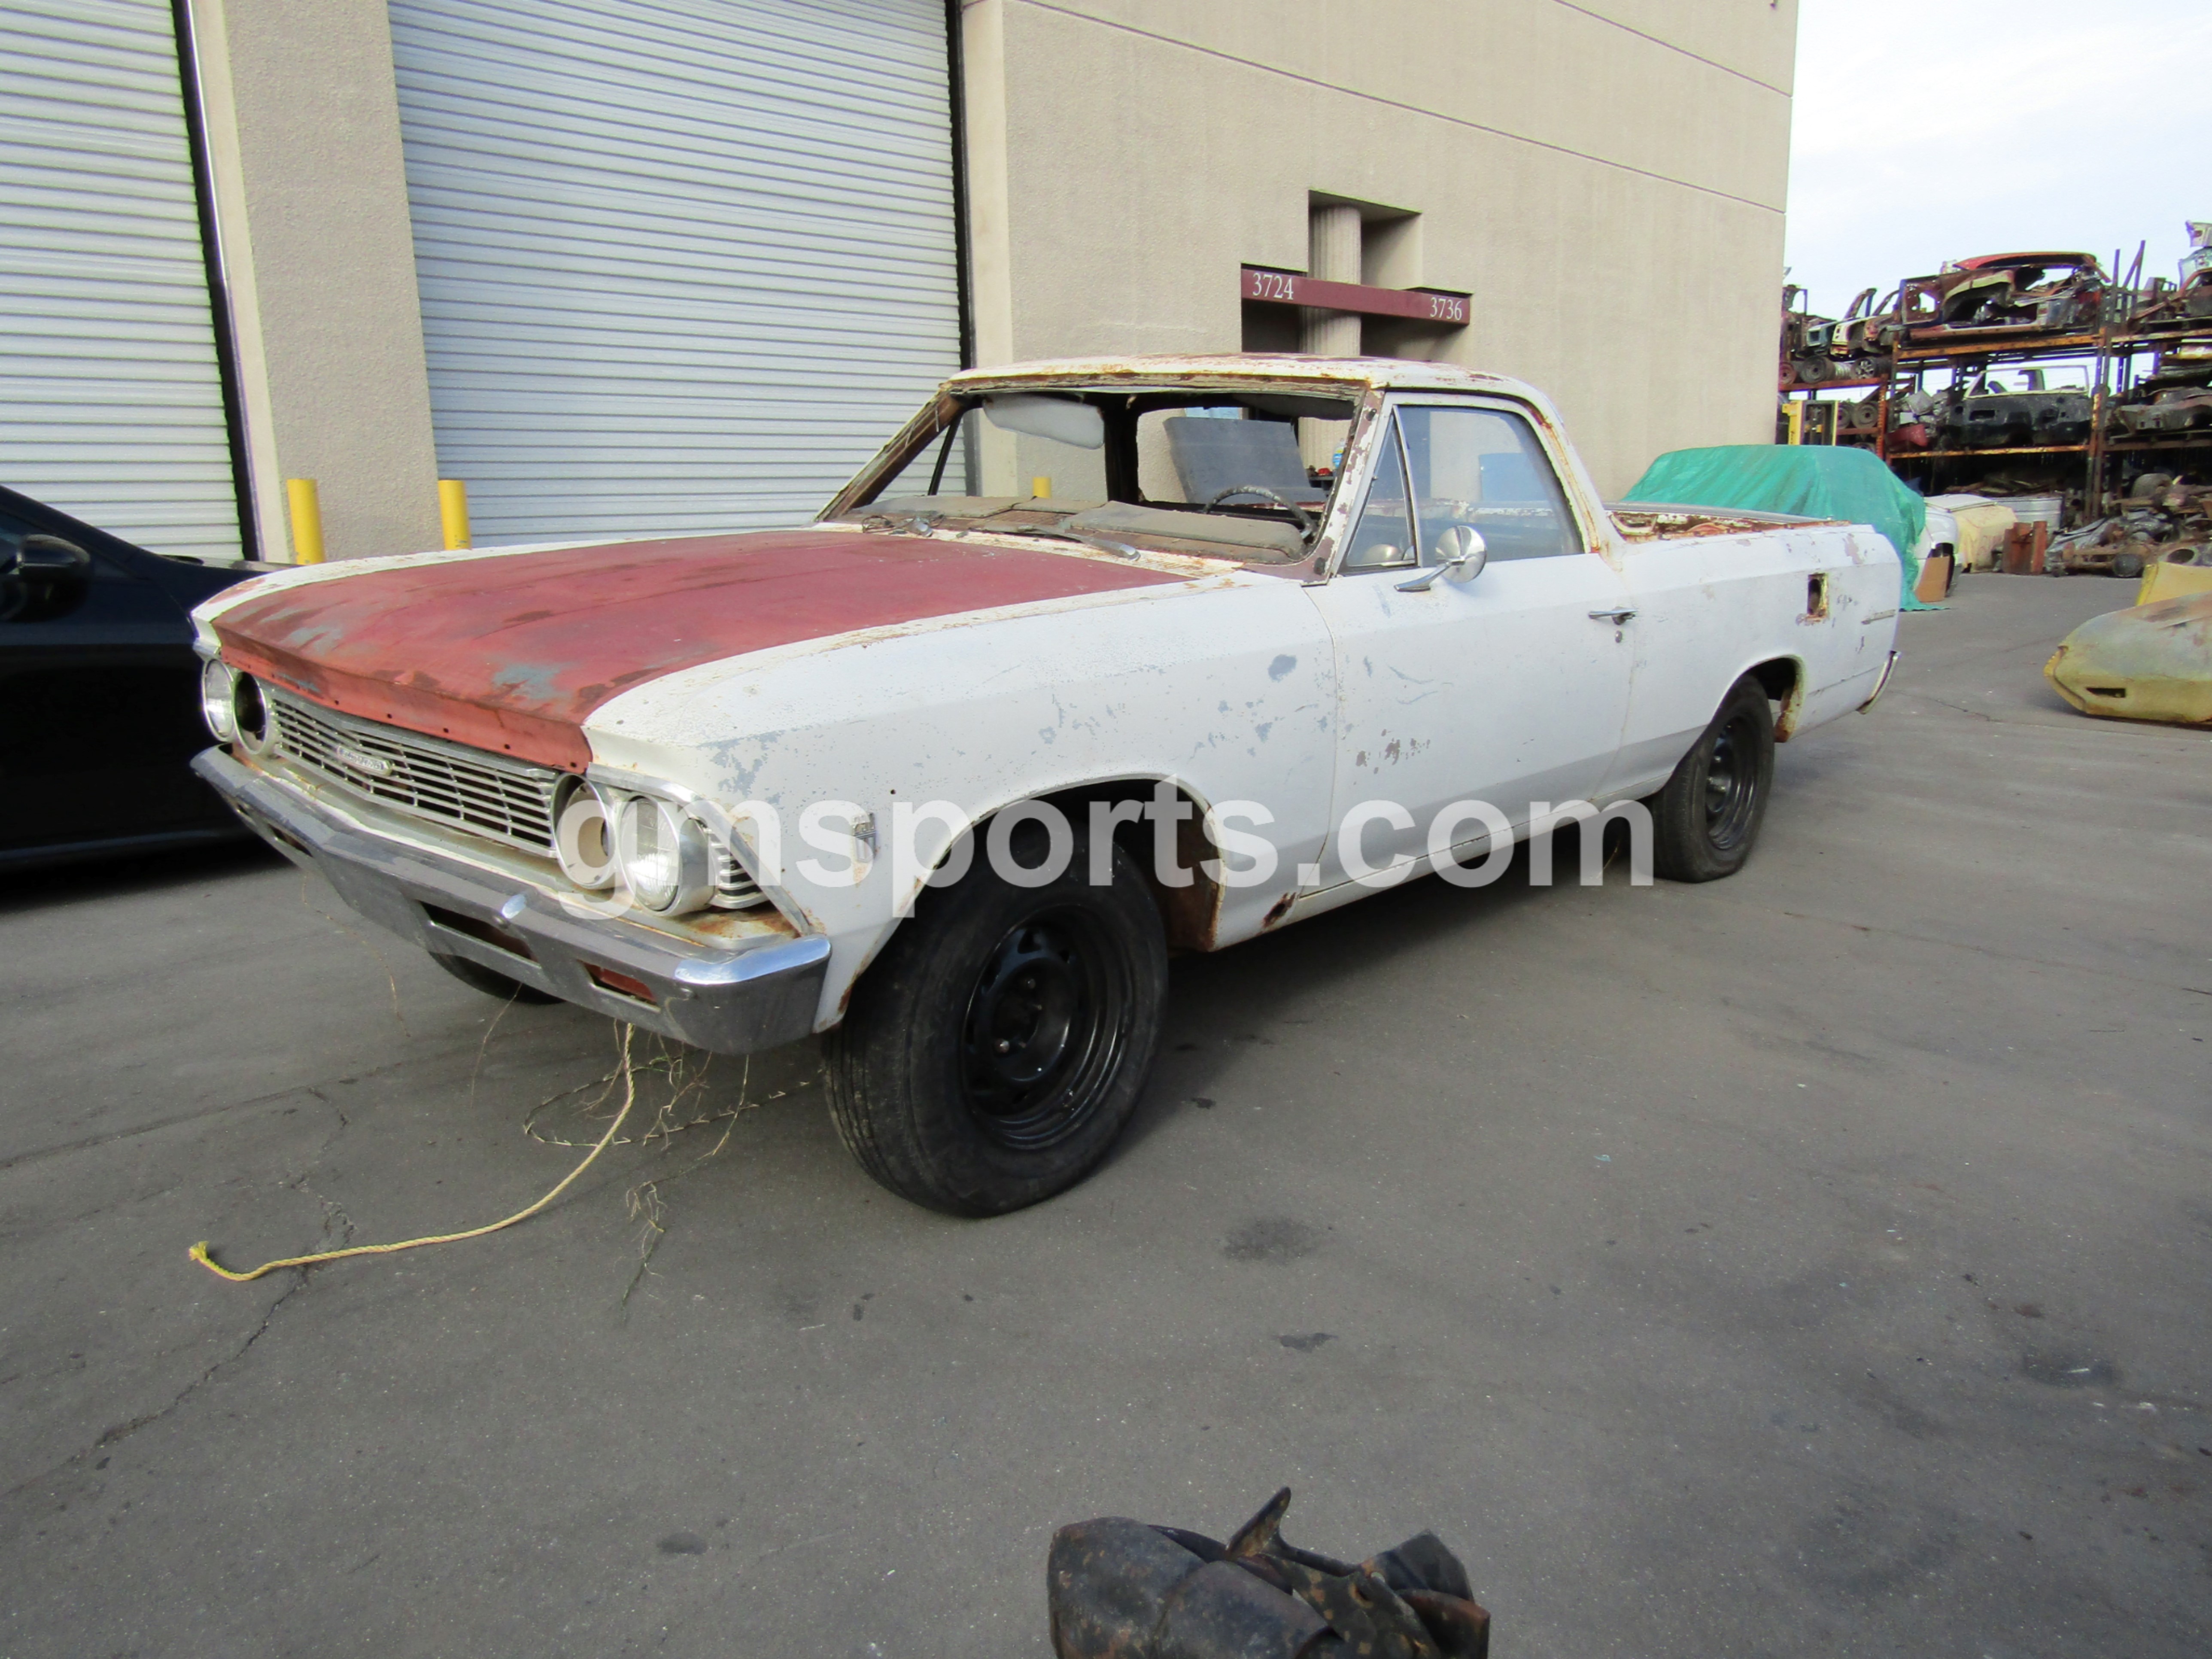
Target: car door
[(1512, 687), (101, 689)]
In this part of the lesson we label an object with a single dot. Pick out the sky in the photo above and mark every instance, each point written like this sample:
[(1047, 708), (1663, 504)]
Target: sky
[(1931, 130)]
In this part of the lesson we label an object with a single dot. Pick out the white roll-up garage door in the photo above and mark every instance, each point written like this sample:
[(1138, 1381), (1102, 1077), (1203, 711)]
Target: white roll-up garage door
[(685, 264), (110, 400)]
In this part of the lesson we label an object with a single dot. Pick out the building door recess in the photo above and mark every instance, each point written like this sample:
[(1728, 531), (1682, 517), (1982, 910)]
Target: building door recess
[(111, 385), (684, 265)]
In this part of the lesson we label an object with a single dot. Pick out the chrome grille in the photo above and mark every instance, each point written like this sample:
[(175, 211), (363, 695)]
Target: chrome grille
[(486, 794), (733, 889)]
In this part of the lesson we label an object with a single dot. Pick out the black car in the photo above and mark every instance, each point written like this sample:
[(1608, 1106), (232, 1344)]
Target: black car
[(102, 691)]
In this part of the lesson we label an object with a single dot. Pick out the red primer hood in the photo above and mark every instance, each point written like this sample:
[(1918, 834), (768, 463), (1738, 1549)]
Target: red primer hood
[(513, 652)]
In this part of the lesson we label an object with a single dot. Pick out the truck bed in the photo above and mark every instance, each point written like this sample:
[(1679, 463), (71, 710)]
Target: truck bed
[(1645, 521)]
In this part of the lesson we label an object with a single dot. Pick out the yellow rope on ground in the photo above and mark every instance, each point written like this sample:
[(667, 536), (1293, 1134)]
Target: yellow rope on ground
[(199, 1251)]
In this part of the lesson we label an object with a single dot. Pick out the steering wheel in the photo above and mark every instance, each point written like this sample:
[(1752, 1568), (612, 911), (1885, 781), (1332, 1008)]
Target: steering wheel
[(1304, 519)]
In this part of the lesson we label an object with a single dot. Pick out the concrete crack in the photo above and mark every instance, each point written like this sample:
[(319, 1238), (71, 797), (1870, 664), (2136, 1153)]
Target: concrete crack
[(337, 1225), (1961, 709), (121, 1431), (336, 1232), (90, 1143)]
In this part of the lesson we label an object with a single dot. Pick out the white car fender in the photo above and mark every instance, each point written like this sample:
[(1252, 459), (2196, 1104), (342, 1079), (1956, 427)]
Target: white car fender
[(1224, 685)]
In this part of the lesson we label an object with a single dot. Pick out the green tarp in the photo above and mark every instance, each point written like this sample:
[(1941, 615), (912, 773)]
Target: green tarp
[(1818, 481)]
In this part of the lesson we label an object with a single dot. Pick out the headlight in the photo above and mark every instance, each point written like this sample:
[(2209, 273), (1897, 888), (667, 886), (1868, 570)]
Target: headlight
[(664, 856), (218, 688), (249, 713), (584, 836)]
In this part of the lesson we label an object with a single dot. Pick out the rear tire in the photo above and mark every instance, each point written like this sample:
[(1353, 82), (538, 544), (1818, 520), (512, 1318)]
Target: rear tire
[(994, 1051), (492, 983), (1706, 820)]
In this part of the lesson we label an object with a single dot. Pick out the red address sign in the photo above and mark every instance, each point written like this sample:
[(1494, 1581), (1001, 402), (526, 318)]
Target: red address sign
[(1289, 288)]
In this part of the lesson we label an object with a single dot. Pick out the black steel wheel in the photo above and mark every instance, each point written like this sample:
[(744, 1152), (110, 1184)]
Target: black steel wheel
[(1732, 780), (993, 1051), (1045, 1028), (1706, 820)]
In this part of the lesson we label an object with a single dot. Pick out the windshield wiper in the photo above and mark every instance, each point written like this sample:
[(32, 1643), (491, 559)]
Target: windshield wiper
[(1120, 549), (916, 522)]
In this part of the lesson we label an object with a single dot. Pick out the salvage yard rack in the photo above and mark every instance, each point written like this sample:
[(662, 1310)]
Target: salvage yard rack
[(2112, 356), (2113, 352)]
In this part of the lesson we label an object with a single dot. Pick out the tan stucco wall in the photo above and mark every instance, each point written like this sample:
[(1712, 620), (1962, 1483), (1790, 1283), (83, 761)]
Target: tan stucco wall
[(311, 206), (1606, 179)]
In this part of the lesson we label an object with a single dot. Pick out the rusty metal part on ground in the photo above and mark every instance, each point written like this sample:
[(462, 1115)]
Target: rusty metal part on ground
[(2158, 523), (1121, 1590)]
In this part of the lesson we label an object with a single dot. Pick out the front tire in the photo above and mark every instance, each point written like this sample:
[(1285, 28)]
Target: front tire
[(994, 1052), (1705, 821)]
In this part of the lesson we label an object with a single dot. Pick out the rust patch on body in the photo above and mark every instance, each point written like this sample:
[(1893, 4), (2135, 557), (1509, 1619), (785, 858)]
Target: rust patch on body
[(512, 654)]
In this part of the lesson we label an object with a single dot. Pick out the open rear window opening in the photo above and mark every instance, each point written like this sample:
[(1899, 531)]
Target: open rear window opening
[(1245, 474)]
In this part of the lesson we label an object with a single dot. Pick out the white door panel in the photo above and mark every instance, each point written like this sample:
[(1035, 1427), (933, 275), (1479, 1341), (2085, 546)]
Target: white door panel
[(1502, 689)]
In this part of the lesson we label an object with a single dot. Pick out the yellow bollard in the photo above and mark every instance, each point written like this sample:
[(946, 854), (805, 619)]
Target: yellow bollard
[(1040, 486), (453, 511), (306, 520)]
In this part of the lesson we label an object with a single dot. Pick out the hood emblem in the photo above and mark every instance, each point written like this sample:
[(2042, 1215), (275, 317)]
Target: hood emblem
[(358, 760)]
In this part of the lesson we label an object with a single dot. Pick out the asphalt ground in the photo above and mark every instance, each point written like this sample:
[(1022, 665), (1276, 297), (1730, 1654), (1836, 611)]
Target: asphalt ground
[(1812, 1261)]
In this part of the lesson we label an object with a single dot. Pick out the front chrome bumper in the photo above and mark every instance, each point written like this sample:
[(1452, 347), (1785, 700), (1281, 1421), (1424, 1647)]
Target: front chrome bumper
[(755, 995)]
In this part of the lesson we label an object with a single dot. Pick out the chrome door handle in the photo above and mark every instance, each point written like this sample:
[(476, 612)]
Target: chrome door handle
[(1616, 617)]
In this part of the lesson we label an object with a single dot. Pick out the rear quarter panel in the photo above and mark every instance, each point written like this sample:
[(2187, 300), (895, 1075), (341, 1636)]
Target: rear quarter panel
[(1710, 608)]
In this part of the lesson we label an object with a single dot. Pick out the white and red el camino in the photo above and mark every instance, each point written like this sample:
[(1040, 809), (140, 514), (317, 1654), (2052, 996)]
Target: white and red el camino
[(739, 788)]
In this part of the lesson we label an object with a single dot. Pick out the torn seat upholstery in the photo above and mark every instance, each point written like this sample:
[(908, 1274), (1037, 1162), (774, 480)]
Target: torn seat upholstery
[(1122, 1589)]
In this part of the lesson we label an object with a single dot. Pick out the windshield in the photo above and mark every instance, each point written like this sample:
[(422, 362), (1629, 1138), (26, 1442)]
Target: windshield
[(1245, 474)]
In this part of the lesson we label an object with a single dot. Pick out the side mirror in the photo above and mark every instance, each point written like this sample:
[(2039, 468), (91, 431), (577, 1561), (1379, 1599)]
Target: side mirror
[(1460, 555), (44, 577)]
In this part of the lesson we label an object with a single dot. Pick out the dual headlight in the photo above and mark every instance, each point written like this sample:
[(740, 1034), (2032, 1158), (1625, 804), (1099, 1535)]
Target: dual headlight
[(655, 848), (231, 705)]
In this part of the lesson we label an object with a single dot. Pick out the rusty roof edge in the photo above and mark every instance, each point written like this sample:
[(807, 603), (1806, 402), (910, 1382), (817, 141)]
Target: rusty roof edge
[(1245, 368)]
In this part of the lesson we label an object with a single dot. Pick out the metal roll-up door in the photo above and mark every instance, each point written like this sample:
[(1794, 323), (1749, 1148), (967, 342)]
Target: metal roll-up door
[(111, 395), (684, 265)]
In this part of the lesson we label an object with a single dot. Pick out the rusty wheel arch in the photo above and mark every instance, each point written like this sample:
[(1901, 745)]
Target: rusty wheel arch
[(1191, 917), (1784, 680)]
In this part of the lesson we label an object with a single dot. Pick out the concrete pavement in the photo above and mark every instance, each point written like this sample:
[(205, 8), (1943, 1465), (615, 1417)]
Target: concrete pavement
[(1816, 1261)]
